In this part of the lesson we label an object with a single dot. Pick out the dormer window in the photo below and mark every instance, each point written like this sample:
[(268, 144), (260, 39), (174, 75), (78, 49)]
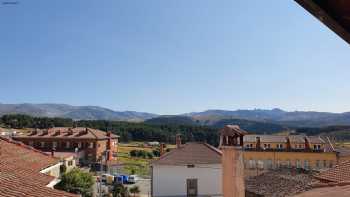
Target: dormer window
[(266, 146), (249, 145), (317, 147)]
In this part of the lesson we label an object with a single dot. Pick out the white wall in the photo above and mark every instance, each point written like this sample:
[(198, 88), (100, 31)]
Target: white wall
[(171, 180)]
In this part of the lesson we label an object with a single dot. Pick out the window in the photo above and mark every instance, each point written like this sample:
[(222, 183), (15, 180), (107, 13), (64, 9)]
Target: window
[(249, 145), (267, 146), (54, 144), (289, 164), (298, 163), (324, 163), (330, 163), (67, 145), (260, 164), (278, 164), (269, 164), (318, 164), (251, 163), (79, 144), (192, 187), (91, 145), (306, 164), (42, 144), (279, 146), (70, 163)]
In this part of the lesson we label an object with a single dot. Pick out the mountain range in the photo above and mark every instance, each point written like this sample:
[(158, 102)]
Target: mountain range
[(73, 112), (275, 117)]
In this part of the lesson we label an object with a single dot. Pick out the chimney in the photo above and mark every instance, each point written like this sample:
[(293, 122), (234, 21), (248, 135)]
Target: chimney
[(258, 143), (161, 149), (178, 140), (307, 144), (53, 152), (109, 146), (231, 138), (289, 146)]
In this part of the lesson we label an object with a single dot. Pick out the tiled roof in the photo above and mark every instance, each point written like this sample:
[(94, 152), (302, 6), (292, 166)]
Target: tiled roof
[(338, 174), (335, 191), (20, 167), (283, 138), (265, 138), (343, 152), (67, 133), (231, 130), (191, 153)]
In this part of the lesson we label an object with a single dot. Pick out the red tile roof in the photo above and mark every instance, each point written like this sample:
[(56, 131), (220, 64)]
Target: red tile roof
[(20, 167), (231, 130), (67, 133), (336, 191), (191, 153), (338, 174)]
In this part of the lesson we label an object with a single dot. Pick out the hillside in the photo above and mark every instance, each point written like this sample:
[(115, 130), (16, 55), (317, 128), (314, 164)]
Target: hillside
[(274, 117), (73, 112), (278, 116), (249, 125)]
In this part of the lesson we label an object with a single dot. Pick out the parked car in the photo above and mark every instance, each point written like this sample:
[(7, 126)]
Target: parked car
[(124, 179), (132, 179)]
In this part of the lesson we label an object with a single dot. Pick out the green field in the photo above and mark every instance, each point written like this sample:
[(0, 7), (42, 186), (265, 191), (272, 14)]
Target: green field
[(136, 165)]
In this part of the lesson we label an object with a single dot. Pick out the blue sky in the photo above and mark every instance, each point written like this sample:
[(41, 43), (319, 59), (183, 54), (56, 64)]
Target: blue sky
[(170, 56)]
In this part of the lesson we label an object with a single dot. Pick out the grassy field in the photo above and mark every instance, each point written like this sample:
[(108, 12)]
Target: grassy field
[(136, 165)]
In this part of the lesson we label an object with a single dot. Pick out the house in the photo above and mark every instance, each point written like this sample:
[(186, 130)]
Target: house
[(25, 171), (192, 169), (264, 152), (68, 159), (90, 145)]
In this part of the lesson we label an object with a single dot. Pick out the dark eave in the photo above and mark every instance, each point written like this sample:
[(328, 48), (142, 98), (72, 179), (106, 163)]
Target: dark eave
[(335, 14)]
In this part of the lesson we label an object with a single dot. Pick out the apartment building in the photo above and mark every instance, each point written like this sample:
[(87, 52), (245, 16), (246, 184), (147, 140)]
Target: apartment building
[(89, 145), (293, 151)]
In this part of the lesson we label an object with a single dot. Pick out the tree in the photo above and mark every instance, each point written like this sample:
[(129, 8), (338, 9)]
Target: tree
[(120, 191), (134, 190), (77, 181)]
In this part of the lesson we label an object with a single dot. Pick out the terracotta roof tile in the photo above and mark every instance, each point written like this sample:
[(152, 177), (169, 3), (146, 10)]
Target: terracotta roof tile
[(336, 191), (191, 153), (20, 167), (67, 133), (338, 174)]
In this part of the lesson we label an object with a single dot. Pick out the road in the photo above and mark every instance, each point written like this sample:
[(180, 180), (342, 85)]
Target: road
[(144, 186)]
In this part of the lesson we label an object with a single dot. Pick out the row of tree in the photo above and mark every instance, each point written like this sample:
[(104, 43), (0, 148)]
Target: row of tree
[(128, 131)]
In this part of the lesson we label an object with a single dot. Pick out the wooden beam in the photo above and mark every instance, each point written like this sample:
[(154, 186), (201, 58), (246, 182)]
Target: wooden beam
[(325, 18)]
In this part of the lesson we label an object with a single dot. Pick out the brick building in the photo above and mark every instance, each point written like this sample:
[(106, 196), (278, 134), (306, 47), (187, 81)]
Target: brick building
[(90, 145)]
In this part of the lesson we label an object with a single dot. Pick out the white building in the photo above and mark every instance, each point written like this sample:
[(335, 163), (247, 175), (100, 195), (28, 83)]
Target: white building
[(193, 169)]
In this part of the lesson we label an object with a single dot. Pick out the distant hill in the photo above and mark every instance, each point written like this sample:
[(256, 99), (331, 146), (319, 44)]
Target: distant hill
[(74, 112), (277, 116), (249, 125), (171, 120)]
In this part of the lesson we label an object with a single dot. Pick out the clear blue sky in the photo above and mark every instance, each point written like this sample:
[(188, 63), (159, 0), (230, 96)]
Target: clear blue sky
[(171, 56)]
